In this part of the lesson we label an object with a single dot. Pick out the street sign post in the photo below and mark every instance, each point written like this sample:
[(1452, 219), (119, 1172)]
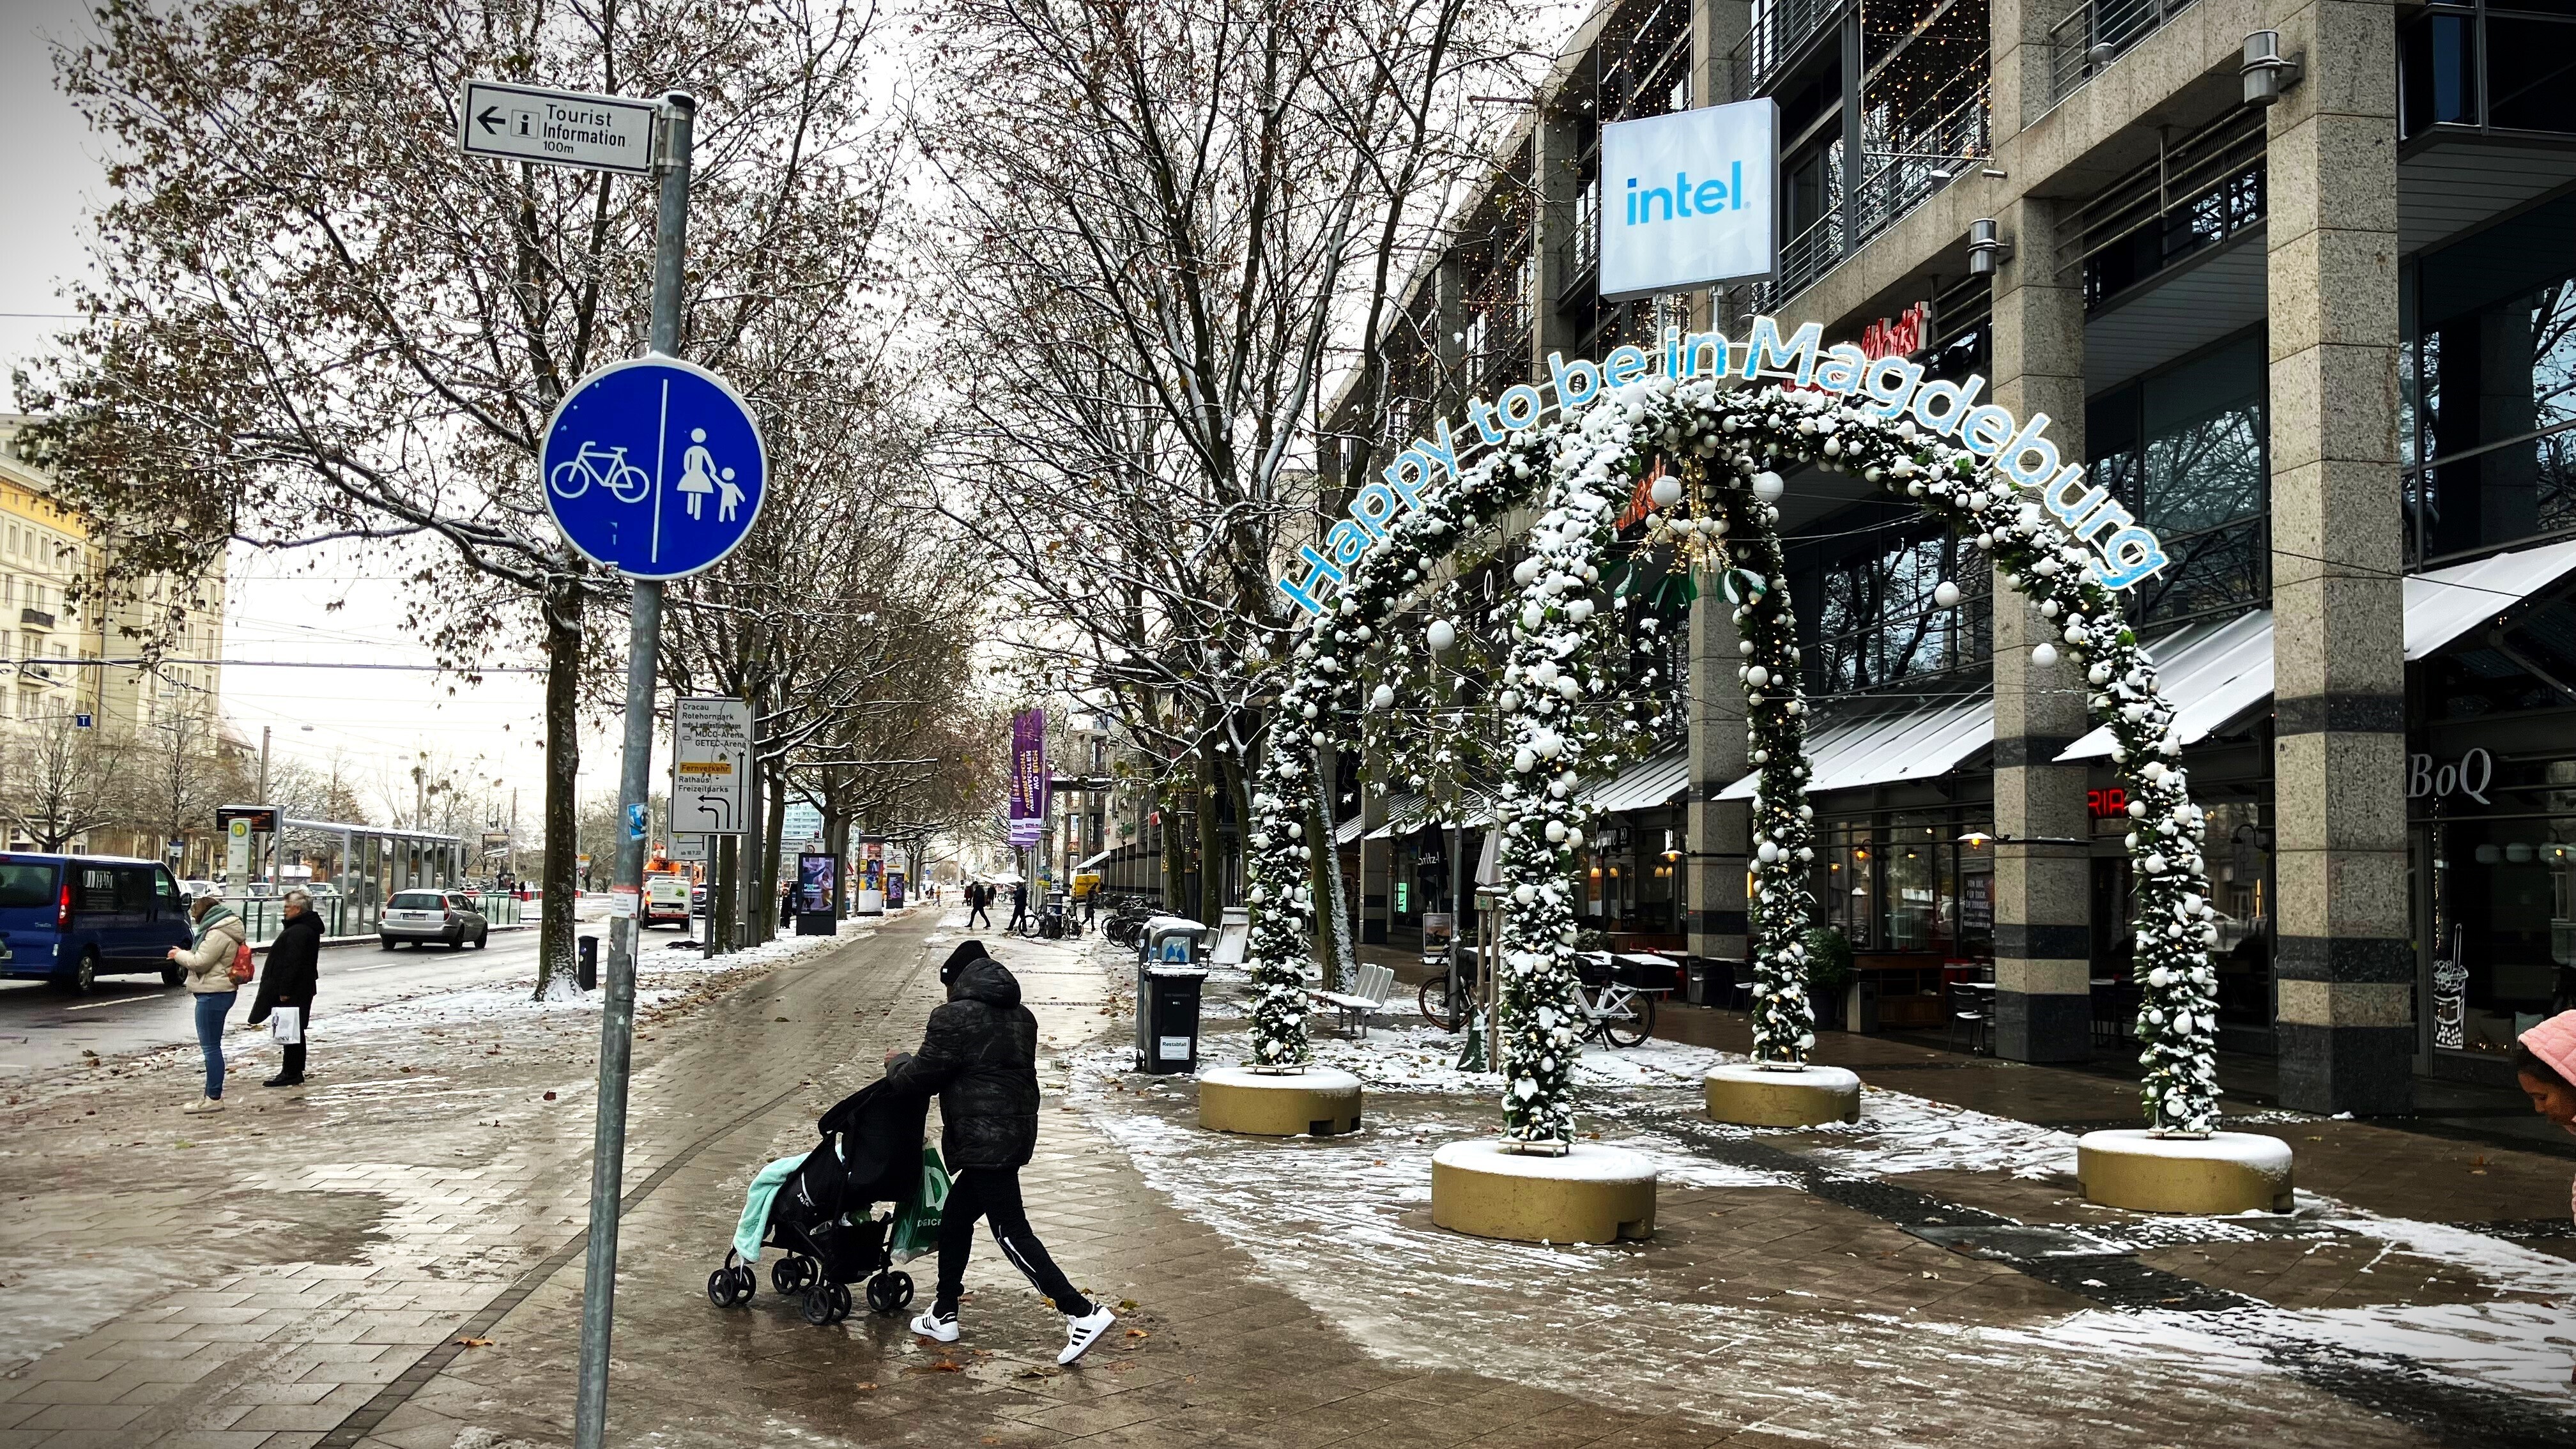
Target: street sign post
[(710, 764), (654, 467), (557, 128), (632, 461)]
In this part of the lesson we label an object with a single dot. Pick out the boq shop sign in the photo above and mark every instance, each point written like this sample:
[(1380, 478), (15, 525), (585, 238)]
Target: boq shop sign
[(1686, 199)]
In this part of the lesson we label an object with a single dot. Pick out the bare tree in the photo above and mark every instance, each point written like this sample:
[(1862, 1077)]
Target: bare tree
[(1162, 216), (315, 321), (58, 781)]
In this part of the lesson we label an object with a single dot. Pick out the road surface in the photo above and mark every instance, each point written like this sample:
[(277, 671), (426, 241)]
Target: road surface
[(42, 1028)]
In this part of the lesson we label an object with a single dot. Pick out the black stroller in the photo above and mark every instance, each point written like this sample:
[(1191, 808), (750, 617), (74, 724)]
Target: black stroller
[(820, 1215)]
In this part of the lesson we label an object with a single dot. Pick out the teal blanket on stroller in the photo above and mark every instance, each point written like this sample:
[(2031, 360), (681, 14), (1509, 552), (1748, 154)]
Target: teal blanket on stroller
[(755, 1206)]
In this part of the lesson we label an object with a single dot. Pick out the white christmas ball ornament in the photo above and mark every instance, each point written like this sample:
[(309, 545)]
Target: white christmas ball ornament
[(1526, 572), (1382, 696), (1666, 492), (1946, 595), (1440, 635), (2043, 655), (1768, 487)]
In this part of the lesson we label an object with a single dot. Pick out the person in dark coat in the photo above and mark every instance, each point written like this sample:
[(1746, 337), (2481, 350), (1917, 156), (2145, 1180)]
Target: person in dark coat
[(978, 897), (293, 971), (980, 1055)]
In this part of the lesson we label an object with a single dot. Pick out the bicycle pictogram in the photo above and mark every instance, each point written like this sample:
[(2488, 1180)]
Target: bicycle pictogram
[(573, 476)]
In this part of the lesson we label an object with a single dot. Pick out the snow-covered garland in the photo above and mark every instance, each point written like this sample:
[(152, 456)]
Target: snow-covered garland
[(1727, 439)]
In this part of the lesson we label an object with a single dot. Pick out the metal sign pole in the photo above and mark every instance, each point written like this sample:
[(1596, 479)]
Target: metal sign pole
[(617, 1018)]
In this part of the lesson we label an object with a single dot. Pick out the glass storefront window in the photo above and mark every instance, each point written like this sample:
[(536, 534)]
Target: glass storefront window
[(2187, 450), (2500, 890), (2239, 852), (1907, 886), (2488, 387)]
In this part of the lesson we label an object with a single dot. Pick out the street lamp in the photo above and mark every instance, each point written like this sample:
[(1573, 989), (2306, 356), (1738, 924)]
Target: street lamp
[(2266, 72)]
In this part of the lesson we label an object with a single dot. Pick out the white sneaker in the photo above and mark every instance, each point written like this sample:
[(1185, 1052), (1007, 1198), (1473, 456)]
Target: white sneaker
[(1081, 1333), (204, 1104), (935, 1328)]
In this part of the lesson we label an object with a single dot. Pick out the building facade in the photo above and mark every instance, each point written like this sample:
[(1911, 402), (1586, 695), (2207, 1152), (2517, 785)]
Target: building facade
[(65, 637), (2314, 322)]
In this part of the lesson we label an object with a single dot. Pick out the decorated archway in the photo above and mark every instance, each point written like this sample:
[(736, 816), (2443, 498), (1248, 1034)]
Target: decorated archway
[(1717, 439)]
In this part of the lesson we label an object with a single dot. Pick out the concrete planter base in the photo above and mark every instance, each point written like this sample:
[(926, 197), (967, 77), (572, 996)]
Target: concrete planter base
[(1317, 1102), (2225, 1172), (1752, 1096), (1592, 1195)]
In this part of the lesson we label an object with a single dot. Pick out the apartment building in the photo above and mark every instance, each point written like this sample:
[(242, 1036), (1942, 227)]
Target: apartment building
[(2298, 277), (62, 632)]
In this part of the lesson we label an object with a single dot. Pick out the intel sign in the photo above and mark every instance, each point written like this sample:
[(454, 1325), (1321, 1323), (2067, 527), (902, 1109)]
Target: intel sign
[(1686, 199)]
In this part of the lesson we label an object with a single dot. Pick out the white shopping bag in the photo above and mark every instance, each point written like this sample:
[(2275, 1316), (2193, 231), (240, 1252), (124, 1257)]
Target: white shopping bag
[(286, 1024)]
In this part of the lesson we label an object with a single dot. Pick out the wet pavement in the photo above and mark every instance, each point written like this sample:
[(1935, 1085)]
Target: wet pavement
[(391, 1257)]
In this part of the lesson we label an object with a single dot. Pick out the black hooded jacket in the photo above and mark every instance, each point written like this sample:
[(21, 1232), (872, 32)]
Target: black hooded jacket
[(980, 1055), (293, 968)]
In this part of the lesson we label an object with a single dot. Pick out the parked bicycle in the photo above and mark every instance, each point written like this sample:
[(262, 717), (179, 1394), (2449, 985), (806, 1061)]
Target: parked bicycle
[(1617, 1003)]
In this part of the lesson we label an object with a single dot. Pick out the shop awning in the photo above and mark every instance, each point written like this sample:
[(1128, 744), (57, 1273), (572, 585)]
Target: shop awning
[(2444, 604), (2214, 672), (1882, 749), (1645, 785), (1088, 863), (2220, 672)]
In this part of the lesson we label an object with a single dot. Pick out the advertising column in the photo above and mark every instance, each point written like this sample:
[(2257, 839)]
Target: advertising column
[(872, 875)]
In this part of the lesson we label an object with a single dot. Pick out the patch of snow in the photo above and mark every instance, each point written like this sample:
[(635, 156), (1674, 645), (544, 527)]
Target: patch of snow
[(1313, 1079), (1900, 1133), (2254, 1150), (1586, 1162)]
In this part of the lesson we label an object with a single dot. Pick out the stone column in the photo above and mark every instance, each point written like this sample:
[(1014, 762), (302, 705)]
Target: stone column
[(2043, 892), (1718, 835), (2343, 964), (1555, 179), (1376, 856), (2018, 59)]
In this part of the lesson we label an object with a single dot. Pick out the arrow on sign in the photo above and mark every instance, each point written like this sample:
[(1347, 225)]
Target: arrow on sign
[(490, 120)]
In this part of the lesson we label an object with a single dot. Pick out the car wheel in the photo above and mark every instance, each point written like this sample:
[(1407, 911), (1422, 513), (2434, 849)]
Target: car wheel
[(483, 938), (83, 977), (456, 942), (385, 941), (172, 976)]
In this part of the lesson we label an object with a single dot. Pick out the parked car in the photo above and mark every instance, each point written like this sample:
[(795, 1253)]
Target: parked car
[(698, 899), (189, 890), (426, 916), (74, 918)]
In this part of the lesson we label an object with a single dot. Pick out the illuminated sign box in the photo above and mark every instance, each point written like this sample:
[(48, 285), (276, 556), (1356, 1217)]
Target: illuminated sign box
[(1686, 199)]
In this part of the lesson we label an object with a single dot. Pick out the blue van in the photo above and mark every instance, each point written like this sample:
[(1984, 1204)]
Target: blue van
[(75, 918)]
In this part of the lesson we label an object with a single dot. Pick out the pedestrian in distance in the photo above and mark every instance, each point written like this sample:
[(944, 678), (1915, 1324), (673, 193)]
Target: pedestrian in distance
[(209, 961), (1019, 906), (286, 986), (978, 897), (980, 1055)]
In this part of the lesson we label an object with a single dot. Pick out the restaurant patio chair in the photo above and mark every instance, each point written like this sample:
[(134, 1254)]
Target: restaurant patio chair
[(1968, 1016)]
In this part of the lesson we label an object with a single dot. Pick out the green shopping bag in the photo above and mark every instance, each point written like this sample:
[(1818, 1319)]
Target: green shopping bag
[(916, 1220)]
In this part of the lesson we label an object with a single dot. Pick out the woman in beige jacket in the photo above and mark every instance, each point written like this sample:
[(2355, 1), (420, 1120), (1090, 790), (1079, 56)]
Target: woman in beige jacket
[(209, 964)]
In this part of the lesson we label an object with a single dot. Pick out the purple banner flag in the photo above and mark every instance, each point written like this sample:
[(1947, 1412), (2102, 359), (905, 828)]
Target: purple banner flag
[(1028, 776)]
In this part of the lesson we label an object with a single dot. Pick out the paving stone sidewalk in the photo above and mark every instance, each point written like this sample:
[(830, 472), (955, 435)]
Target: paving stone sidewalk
[(299, 1275)]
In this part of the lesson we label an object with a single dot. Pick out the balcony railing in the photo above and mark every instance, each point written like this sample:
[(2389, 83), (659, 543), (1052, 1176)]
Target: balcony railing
[(1781, 28), (1931, 151), (37, 617), (2094, 34)]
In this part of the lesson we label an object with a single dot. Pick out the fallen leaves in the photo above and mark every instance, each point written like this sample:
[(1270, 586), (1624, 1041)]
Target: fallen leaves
[(550, 1096), (938, 1366), (475, 1342)]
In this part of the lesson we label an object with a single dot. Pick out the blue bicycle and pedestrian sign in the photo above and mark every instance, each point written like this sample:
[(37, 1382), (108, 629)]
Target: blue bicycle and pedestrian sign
[(653, 466)]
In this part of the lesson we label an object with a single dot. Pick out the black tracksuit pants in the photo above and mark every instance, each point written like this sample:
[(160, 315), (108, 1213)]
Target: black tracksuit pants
[(993, 1194)]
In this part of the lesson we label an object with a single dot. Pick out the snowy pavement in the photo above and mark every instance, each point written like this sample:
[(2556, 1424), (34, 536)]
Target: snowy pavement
[(1837, 1269)]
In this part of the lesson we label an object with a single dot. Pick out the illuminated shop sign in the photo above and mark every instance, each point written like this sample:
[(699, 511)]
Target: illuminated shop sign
[(1890, 388)]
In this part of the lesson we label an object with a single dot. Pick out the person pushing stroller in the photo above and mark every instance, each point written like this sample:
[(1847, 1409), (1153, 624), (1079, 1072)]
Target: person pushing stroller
[(979, 1055)]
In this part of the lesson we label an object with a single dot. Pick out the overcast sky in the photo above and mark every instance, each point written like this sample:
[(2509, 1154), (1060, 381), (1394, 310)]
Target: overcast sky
[(281, 608)]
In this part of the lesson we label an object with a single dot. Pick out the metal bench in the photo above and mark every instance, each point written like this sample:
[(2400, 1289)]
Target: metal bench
[(1370, 988)]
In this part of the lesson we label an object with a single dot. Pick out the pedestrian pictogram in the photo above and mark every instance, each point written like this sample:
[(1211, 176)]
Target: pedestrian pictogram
[(654, 466)]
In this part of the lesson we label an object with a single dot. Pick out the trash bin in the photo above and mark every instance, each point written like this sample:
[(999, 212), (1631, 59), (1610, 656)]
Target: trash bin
[(1167, 1017), (1172, 941), (588, 971), (1862, 1015)]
